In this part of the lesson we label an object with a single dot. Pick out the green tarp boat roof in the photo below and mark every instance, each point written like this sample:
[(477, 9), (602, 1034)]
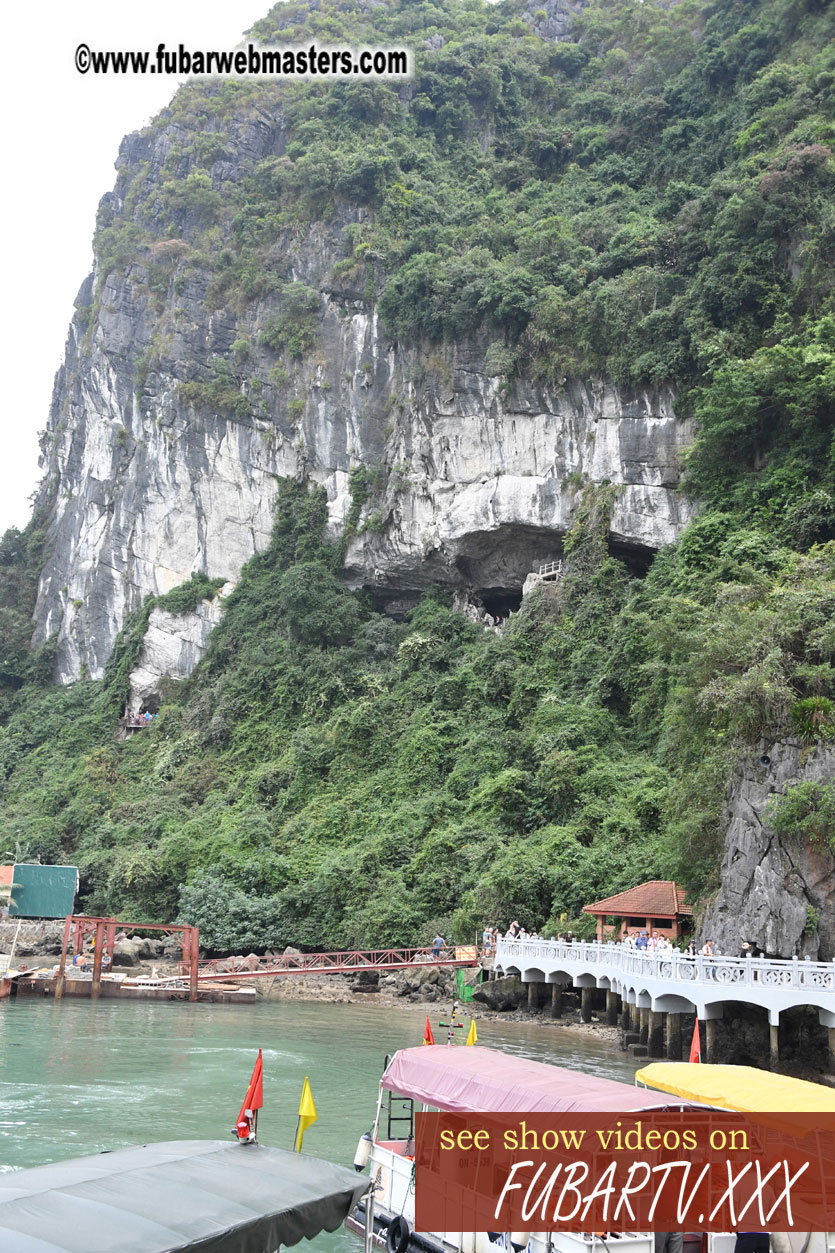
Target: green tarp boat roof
[(206, 1196)]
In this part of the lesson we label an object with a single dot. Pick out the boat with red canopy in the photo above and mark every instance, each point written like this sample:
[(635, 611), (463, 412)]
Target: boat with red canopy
[(459, 1080), (466, 1080)]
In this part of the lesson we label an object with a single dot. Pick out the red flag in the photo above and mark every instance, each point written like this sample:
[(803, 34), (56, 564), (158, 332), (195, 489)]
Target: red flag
[(428, 1037), (253, 1100), (696, 1044)]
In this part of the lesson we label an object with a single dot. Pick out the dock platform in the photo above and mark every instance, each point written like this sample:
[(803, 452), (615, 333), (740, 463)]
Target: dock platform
[(135, 990)]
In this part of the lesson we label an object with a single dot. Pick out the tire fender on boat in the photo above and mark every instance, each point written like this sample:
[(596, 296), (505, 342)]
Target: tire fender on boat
[(397, 1235)]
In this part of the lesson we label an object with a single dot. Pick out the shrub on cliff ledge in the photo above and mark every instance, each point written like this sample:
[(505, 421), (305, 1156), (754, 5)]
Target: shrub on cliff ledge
[(814, 719), (220, 397), (806, 814), (293, 329)]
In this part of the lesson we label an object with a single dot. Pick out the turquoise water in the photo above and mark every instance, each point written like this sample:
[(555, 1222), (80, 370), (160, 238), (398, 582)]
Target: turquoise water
[(79, 1077)]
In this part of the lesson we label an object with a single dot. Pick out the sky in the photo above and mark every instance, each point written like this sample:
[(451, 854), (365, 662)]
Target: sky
[(62, 131)]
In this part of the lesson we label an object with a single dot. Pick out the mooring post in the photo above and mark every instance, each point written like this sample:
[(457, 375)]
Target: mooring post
[(194, 936), (556, 1001), (62, 965), (97, 958), (611, 1009), (674, 1037), (586, 1000)]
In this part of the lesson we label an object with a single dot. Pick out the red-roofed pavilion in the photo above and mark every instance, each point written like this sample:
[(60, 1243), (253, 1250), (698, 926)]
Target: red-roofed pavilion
[(657, 907)]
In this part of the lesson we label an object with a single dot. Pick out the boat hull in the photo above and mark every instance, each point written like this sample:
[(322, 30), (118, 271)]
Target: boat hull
[(799, 1242), (418, 1243)]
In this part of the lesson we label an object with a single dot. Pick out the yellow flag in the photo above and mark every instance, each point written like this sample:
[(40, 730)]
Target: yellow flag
[(472, 1038), (307, 1115)]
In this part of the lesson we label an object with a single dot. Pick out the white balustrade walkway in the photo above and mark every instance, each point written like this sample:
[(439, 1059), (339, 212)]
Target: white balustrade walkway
[(670, 982)]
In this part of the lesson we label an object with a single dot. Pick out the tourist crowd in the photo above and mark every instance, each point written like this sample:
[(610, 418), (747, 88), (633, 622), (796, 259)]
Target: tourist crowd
[(139, 720), (640, 939)]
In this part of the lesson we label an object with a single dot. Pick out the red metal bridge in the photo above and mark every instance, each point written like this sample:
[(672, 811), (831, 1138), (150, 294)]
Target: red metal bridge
[(352, 961)]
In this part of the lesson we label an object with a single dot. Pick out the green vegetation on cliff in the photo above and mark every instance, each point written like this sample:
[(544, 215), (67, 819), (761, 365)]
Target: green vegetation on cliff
[(652, 200), (337, 778), (647, 200)]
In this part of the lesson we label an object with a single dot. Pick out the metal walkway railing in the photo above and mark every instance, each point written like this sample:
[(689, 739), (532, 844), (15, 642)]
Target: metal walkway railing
[(350, 961)]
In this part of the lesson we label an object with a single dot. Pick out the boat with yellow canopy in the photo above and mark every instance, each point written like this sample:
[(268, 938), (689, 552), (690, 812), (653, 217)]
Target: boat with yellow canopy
[(740, 1088), (746, 1090)]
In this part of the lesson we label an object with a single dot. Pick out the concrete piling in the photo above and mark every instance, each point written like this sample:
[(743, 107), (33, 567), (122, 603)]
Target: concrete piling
[(674, 1037), (709, 1037), (774, 1045), (655, 1033)]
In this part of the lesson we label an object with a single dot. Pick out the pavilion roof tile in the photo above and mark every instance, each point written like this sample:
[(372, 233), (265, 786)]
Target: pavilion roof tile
[(659, 898)]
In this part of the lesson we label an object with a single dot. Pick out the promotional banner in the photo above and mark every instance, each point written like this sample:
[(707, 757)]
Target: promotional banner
[(706, 1171)]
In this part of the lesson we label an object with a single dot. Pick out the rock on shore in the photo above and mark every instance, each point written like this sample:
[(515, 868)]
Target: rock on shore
[(34, 938)]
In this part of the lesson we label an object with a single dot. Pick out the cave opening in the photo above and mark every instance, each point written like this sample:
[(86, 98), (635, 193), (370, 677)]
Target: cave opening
[(488, 570), (635, 557), (395, 604), (501, 602)]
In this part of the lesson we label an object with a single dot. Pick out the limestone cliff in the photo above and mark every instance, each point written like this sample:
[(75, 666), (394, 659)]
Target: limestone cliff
[(177, 405), (778, 896), (474, 479)]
